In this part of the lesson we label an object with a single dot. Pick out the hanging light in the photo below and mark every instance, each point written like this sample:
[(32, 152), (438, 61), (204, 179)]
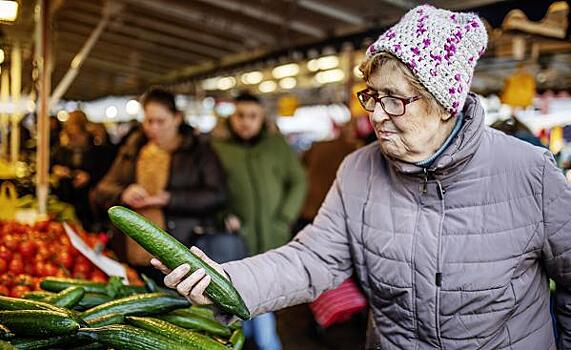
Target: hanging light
[(1, 56), (330, 76), (313, 65), (210, 84), (111, 112), (252, 78), (226, 83), (328, 62), (62, 116), (267, 86), (288, 83), (286, 70), (8, 10), (357, 72), (132, 107)]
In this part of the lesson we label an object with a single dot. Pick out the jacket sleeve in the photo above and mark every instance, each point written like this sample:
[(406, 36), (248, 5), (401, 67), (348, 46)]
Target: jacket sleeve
[(210, 195), (318, 259), (557, 245), (107, 192), (296, 187)]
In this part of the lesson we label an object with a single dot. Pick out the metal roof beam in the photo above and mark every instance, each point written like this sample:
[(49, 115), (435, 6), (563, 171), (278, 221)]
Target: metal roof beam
[(145, 34), (331, 11), (208, 19), (136, 43), (403, 4), (264, 15)]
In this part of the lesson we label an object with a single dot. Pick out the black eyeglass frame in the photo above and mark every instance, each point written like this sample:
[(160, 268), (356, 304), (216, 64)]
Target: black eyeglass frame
[(363, 94)]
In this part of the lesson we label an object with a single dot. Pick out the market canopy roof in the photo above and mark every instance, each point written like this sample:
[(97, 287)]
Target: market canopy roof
[(150, 41)]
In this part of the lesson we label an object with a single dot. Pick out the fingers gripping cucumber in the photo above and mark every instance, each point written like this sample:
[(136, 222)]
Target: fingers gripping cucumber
[(173, 253)]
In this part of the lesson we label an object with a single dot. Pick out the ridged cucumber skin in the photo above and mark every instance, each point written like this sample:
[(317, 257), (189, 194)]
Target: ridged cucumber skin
[(91, 300), (38, 323), (106, 320), (172, 253), (67, 298), (195, 340), (14, 304), (126, 337), (38, 295), (57, 284), (141, 305), (238, 339), (196, 322), (50, 343)]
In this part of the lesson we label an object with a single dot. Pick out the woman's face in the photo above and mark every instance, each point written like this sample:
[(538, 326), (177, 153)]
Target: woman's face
[(160, 124), (413, 136)]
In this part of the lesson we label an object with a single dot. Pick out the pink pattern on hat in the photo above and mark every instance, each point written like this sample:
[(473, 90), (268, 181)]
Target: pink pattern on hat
[(447, 43)]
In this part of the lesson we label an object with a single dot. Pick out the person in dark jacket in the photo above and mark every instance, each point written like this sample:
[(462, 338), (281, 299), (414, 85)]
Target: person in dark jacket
[(166, 172), (78, 164)]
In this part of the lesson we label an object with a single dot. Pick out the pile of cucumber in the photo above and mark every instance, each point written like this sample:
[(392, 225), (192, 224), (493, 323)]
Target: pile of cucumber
[(78, 314)]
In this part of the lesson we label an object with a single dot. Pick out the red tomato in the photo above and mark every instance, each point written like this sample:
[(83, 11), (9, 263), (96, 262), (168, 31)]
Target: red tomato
[(19, 291), (50, 270), (4, 290), (7, 279), (65, 259), (27, 249), (5, 253), (3, 266), (16, 266), (11, 242), (98, 276), (24, 280)]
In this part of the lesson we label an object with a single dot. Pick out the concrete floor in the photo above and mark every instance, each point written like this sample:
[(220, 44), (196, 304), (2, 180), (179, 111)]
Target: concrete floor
[(297, 331)]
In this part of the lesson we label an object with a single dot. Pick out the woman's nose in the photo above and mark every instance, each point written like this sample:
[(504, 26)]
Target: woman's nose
[(379, 115)]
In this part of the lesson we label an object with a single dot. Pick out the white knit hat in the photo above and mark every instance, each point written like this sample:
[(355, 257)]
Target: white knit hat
[(440, 47)]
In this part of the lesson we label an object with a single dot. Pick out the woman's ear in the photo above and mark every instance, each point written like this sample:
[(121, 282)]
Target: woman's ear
[(179, 118)]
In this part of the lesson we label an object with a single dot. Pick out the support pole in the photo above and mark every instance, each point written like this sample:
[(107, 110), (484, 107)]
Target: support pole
[(16, 88), (43, 155)]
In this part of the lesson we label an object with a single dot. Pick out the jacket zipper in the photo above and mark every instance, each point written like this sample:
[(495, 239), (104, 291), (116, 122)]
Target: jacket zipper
[(438, 274)]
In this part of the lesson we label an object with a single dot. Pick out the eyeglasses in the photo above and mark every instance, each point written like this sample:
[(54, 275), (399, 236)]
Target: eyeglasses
[(392, 105)]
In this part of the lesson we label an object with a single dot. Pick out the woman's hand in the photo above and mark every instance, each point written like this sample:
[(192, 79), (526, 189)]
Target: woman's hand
[(193, 286), (134, 196)]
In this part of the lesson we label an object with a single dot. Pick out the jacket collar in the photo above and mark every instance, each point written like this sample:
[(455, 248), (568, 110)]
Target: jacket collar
[(462, 147)]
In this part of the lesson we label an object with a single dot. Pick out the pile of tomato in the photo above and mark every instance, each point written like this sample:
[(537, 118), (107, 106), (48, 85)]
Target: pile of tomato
[(29, 253)]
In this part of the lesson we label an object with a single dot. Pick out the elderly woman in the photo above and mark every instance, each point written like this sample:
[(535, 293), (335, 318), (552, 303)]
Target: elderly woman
[(452, 228)]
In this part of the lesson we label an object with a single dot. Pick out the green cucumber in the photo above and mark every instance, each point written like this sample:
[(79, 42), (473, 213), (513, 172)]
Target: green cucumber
[(173, 254), (237, 339), (51, 342), (67, 298), (38, 323), (130, 338), (143, 304), (38, 295), (13, 304), (5, 333), (106, 320), (198, 323), (90, 300), (67, 340), (194, 340), (57, 284)]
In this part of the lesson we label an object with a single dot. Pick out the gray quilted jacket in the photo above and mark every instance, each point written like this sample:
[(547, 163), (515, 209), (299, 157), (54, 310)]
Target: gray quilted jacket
[(454, 257)]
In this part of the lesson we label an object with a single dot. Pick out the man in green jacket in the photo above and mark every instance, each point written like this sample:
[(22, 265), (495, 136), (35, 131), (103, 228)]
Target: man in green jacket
[(266, 186)]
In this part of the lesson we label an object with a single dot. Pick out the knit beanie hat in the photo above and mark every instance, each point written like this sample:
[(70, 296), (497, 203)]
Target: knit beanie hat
[(440, 47)]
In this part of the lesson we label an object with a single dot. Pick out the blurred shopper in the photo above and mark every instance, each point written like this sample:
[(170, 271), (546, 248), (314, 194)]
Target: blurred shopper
[(77, 165), (517, 129), (167, 173), (321, 162), (452, 228), (266, 190)]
